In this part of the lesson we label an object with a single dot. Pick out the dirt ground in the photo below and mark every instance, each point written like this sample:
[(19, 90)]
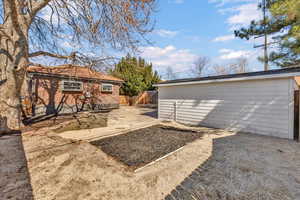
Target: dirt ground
[(219, 165), (140, 147), (125, 119), (47, 122), (65, 122), (14, 176)]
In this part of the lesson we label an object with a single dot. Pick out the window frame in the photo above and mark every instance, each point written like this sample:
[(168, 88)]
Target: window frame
[(63, 89), (107, 84)]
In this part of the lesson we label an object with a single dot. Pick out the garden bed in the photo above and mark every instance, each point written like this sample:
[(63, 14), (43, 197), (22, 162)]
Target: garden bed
[(141, 147)]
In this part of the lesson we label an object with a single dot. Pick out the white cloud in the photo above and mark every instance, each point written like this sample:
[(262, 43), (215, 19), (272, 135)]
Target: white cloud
[(244, 14), (166, 33), (221, 3), (169, 56), (228, 54), (240, 12), (50, 16), (176, 1), (224, 38)]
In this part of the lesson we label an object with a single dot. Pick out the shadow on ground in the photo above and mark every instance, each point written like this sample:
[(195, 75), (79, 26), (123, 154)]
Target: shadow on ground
[(15, 179), (152, 114), (244, 167)]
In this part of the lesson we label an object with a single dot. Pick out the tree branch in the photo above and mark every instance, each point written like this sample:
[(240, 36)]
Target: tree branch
[(44, 53), (36, 6)]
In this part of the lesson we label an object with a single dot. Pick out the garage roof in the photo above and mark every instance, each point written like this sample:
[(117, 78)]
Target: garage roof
[(276, 73)]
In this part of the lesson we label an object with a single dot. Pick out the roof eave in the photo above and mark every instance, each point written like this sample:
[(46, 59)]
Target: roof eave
[(74, 77), (272, 76)]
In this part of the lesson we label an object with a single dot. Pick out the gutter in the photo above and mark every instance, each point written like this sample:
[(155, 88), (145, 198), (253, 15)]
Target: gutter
[(276, 76)]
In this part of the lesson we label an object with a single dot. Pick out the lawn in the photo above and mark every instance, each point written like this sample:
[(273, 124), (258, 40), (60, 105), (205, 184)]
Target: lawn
[(140, 147)]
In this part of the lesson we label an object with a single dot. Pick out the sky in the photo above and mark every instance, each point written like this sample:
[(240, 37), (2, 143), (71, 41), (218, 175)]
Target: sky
[(187, 29)]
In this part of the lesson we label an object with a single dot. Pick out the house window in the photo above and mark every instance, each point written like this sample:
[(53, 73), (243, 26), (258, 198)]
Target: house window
[(72, 86), (107, 88)]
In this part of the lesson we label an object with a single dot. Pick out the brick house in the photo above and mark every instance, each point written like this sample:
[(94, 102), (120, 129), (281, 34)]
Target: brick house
[(67, 89)]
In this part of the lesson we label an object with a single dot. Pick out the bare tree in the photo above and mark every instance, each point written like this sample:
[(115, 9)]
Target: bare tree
[(220, 69), (237, 67), (199, 65), (27, 32), (170, 74)]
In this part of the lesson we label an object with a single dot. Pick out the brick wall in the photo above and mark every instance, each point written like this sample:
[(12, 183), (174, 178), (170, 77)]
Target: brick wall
[(46, 95)]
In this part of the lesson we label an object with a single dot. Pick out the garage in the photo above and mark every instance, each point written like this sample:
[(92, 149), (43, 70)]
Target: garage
[(264, 103)]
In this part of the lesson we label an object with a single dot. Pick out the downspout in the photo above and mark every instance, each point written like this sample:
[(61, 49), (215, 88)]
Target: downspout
[(175, 111)]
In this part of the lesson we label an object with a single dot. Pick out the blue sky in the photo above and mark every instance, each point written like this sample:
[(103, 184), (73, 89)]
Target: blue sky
[(187, 29)]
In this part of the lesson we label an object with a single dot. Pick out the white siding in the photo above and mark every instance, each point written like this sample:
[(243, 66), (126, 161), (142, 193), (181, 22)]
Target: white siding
[(262, 107)]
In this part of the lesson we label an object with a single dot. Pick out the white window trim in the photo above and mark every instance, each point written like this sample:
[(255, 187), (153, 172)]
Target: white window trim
[(106, 84), (71, 90)]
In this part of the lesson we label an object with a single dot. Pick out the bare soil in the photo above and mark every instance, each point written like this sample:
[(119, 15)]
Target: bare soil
[(65, 122), (14, 176), (143, 146), (46, 121), (219, 165)]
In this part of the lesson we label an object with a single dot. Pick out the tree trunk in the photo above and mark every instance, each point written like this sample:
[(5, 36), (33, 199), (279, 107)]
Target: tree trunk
[(10, 103), (12, 64)]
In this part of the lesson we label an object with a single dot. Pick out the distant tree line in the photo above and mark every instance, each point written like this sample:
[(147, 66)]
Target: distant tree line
[(203, 66)]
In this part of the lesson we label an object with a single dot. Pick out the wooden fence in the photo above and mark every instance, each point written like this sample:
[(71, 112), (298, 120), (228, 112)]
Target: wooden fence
[(124, 100), (147, 97)]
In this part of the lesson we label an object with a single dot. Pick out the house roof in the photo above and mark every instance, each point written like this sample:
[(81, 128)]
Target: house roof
[(277, 73), (72, 71)]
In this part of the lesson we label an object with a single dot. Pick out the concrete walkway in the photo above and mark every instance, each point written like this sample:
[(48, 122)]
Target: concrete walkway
[(119, 121)]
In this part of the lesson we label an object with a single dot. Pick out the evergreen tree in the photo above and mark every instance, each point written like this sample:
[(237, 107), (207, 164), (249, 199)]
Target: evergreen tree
[(283, 23), (137, 74)]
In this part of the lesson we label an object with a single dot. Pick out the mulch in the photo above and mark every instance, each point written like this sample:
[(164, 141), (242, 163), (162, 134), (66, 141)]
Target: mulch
[(140, 147)]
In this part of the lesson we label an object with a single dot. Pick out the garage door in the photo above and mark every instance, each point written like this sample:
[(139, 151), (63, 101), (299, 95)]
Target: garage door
[(261, 107)]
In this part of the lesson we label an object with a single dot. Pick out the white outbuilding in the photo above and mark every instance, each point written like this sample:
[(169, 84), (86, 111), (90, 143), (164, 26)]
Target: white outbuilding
[(265, 103)]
